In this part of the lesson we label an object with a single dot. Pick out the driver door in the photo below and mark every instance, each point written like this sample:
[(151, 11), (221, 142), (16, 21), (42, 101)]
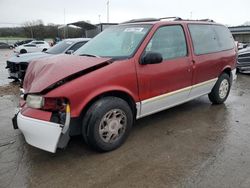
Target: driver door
[(168, 83)]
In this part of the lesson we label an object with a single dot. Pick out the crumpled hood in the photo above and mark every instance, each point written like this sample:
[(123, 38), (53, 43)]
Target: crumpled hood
[(47, 71), (28, 57)]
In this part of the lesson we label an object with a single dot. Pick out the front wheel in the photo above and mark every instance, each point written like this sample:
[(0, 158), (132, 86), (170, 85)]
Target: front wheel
[(220, 90), (107, 123)]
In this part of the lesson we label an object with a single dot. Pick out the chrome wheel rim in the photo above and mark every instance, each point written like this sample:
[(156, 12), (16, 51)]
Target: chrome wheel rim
[(223, 90), (112, 126)]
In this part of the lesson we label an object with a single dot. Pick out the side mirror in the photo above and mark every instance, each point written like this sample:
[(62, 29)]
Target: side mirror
[(151, 58), (69, 52)]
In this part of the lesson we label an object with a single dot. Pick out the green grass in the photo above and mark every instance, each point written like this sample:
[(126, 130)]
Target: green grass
[(13, 38)]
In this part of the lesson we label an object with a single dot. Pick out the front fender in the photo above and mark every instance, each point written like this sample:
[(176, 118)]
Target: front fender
[(118, 76)]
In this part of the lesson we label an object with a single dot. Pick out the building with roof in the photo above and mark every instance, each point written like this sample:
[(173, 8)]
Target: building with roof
[(241, 33), (90, 30)]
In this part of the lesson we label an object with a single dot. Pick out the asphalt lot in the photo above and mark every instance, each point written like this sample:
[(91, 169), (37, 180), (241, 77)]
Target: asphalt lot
[(193, 145)]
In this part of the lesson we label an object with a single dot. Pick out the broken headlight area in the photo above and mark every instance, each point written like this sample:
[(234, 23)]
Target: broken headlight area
[(58, 106)]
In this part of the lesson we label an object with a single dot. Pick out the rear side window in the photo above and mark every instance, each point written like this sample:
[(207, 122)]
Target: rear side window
[(39, 42), (77, 45), (225, 38), (169, 41), (210, 38)]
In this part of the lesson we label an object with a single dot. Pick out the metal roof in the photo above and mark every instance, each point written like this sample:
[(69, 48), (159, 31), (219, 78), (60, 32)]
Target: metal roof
[(244, 29), (83, 24)]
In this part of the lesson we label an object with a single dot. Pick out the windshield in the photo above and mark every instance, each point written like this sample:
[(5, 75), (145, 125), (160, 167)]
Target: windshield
[(60, 47), (117, 41)]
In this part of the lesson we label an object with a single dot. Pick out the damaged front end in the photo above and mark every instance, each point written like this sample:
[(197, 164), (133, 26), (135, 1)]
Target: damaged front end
[(16, 70), (45, 121)]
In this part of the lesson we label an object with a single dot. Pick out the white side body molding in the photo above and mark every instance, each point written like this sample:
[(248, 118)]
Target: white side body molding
[(168, 100)]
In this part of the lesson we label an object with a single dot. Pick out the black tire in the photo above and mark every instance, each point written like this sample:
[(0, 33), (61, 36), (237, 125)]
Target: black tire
[(215, 97), (237, 70), (94, 117), (23, 51), (44, 49)]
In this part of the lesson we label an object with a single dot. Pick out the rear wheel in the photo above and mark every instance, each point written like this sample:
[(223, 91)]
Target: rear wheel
[(23, 51), (44, 49), (221, 89), (107, 123)]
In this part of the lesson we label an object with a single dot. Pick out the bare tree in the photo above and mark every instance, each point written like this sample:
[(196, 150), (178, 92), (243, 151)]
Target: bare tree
[(34, 29), (247, 23)]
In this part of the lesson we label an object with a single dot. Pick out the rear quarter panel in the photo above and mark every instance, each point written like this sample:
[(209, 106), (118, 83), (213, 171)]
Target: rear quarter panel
[(209, 66)]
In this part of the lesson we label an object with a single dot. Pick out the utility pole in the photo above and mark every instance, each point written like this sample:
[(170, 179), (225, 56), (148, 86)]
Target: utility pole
[(99, 16), (64, 29), (107, 11)]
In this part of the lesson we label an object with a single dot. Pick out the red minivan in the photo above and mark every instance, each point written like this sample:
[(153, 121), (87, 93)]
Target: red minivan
[(127, 72)]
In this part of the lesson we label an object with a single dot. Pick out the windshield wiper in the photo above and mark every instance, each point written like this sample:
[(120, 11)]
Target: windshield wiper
[(89, 55)]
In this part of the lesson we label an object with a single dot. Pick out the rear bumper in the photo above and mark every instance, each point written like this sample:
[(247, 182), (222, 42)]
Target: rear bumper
[(41, 134)]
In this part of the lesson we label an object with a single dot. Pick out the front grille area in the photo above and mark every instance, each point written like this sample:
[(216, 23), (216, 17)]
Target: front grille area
[(244, 59), (244, 55), (23, 66), (13, 67)]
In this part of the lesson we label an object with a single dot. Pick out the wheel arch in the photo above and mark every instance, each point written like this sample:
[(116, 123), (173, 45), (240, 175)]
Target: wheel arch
[(228, 71), (23, 50), (112, 93)]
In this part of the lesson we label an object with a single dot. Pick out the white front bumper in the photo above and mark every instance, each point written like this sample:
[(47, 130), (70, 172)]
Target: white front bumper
[(41, 134)]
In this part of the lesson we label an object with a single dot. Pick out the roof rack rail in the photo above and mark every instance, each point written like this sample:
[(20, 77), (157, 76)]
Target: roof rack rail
[(206, 20), (201, 20), (174, 18), (141, 20)]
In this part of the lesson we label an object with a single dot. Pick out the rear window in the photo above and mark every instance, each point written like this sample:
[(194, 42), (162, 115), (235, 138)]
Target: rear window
[(210, 38), (60, 47)]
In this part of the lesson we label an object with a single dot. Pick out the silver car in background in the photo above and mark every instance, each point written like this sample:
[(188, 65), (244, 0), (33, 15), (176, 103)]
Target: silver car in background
[(243, 63)]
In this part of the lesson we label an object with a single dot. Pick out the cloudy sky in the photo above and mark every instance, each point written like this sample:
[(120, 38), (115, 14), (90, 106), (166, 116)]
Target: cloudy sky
[(14, 12)]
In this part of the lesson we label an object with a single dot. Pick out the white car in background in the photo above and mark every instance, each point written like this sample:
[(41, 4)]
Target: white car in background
[(34, 46)]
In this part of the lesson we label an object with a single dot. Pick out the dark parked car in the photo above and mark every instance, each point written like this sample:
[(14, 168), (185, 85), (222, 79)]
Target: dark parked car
[(17, 65), (243, 64), (4, 45)]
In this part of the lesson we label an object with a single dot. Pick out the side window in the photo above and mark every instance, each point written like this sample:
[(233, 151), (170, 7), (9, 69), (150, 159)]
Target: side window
[(39, 42), (210, 38), (225, 38), (204, 39), (77, 46), (169, 41)]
